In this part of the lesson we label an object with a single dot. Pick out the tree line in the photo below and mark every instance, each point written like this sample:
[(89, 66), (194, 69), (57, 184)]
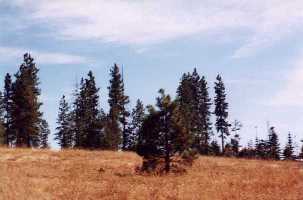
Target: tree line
[(173, 126)]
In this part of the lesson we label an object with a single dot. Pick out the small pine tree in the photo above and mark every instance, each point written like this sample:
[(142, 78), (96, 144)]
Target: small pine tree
[(162, 134), (137, 118), (273, 145), (64, 134), (214, 148), (221, 111), (288, 152), (235, 140), (44, 134), (261, 147)]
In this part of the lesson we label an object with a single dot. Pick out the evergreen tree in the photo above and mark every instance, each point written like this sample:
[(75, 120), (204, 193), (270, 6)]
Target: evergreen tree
[(186, 97), (288, 151), (64, 134), (301, 152), (161, 135), (8, 105), (44, 133), (273, 145), (2, 128), (261, 147), (235, 140), (137, 118), (26, 115), (214, 148), (78, 114), (193, 98), (204, 114), (221, 107), (117, 121), (91, 113)]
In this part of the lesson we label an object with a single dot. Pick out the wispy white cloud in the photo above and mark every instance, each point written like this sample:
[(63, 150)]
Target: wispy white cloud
[(292, 92), (12, 53), (143, 22)]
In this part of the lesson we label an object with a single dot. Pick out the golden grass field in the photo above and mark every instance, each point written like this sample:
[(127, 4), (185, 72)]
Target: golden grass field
[(75, 174)]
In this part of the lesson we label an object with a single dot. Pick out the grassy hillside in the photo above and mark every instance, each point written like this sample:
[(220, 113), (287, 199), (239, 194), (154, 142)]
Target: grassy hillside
[(27, 174)]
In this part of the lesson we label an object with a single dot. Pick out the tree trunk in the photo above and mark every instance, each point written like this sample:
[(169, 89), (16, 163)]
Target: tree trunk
[(222, 138)]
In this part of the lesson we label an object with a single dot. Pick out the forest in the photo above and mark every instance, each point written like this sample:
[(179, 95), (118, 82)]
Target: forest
[(174, 130)]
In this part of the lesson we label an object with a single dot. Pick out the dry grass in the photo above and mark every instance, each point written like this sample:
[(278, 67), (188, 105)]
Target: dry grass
[(35, 174)]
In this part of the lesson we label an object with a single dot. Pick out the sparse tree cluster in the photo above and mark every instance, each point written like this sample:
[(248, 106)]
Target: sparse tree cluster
[(21, 119), (173, 129)]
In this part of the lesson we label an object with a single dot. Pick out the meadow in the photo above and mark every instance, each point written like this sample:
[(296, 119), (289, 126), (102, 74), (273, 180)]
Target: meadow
[(78, 174)]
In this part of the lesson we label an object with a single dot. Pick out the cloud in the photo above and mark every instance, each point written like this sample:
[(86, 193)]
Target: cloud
[(291, 94), (11, 53), (263, 23)]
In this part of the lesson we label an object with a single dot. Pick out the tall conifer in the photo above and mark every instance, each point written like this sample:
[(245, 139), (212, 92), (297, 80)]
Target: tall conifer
[(288, 152), (26, 115), (64, 134), (273, 145), (204, 114), (8, 105), (44, 134), (137, 118), (221, 111), (117, 122)]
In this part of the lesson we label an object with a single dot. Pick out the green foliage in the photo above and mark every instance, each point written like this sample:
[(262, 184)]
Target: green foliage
[(221, 111), (26, 113), (214, 148), (137, 118), (10, 135), (117, 117), (235, 140), (2, 128), (193, 97), (288, 152), (44, 134), (162, 134), (64, 134), (273, 145), (85, 117)]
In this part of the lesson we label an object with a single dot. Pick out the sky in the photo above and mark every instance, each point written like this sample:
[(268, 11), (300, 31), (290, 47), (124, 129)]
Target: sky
[(256, 46)]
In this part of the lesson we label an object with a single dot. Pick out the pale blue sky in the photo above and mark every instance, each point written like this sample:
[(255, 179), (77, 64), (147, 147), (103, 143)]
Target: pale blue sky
[(256, 46)]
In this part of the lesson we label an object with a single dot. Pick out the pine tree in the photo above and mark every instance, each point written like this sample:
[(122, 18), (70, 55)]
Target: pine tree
[(117, 113), (190, 96), (261, 147), (301, 152), (8, 106), (2, 128), (91, 113), (235, 141), (137, 118), (221, 107), (273, 145), (44, 134), (26, 115), (162, 134), (77, 115), (204, 114), (185, 97), (214, 148), (288, 151), (64, 134)]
